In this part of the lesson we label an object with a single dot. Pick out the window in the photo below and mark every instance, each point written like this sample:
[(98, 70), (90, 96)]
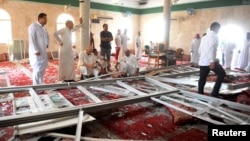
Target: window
[(5, 27), (60, 23)]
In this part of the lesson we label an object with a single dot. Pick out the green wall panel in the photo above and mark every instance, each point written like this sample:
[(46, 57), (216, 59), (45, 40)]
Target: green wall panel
[(59, 2), (151, 10), (107, 7)]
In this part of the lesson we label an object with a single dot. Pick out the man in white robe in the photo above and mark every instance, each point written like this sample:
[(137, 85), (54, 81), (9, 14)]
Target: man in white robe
[(138, 45), (87, 63), (243, 56), (128, 65), (124, 42), (194, 49), (101, 61), (38, 42), (247, 68), (118, 43), (66, 59), (152, 45), (75, 52), (236, 54), (228, 48)]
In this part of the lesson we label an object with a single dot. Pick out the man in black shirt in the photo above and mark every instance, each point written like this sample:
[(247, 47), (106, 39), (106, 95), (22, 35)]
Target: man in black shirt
[(106, 38)]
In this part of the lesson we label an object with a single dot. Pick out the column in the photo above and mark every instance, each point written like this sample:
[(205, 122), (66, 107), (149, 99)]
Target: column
[(84, 7), (167, 20)]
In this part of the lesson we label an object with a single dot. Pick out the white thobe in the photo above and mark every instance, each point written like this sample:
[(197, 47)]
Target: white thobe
[(208, 49), (75, 53), (66, 59), (124, 46), (118, 40), (129, 64), (138, 48), (235, 57), (85, 59), (243, 56), (228, 48), (101, 60), (194, 51), (247, 68), (38, 42)]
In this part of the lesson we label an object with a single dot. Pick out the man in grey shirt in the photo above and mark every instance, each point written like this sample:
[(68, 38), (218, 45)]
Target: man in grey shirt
[(106, 38)]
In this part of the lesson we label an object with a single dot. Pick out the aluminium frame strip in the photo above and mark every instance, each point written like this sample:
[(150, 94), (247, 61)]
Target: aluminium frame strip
[(224, 87), (79, 126), (217, 109), (115, 88), (230, 104), (36, 99), (201, 113), (210, 106), (51, 124), (144, 72), (108, 90), (160, 84), (186, 111), (83, 138), (130, 88), (6, 77), (24, 70), (186, 71), (242, 115), (89, 94), (64, 85)]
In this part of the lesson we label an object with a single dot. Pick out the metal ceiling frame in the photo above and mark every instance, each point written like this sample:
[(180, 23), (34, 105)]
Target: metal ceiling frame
[(88, 108), (166, 95)]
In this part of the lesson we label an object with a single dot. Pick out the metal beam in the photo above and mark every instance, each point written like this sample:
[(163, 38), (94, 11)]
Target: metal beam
[(64, 85)]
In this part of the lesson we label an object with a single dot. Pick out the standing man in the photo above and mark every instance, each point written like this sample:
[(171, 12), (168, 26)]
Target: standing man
[(106, 38), (208, 61), (124, 41), (117, 43), (66, 59), (138, 45), (243, 56), (75, 52), (247, 43), (194, 50), (38, 42), (92, 41), (228, 48)]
